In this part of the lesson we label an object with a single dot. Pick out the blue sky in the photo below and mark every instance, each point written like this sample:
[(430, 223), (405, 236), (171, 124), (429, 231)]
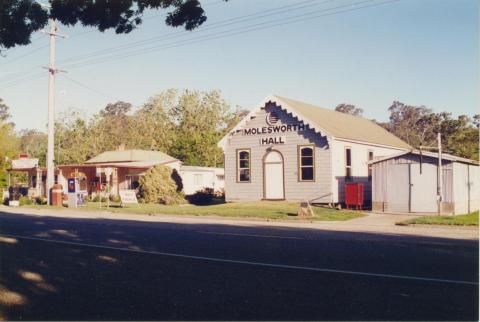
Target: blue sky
[(420, 52)]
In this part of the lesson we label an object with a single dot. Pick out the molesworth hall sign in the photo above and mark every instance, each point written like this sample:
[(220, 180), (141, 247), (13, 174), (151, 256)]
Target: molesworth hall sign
[(272, 119)]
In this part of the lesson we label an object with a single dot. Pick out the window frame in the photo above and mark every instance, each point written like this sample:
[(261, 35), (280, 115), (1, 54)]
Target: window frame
[(128, 181), (237, 164), (299, 162), (348, 167), (369, 165)]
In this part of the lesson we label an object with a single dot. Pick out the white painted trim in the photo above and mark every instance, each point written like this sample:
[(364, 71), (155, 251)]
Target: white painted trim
[(285, 107)]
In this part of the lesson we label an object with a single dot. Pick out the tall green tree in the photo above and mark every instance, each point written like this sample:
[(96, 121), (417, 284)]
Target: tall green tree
[(34, 143), (8, 144), (4, 111), (419, 125), (349, 109), (201, 120), (152, 128)]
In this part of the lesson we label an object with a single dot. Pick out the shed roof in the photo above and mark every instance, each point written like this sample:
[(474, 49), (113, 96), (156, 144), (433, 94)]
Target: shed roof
[(131, 156), (445, 156), (330, 123)]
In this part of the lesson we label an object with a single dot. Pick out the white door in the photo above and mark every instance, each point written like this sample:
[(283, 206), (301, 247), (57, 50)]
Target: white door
[(424, 188), (398, 188), (273, 176)]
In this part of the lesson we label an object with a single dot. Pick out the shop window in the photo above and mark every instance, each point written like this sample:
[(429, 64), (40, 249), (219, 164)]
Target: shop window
[(348, 164), (243, 165), (370, 158), (133, 182), (306, 163)]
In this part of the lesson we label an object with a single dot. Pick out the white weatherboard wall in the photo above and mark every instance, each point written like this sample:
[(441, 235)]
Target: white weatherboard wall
[(359, 157), (198, 178), (294, 189)]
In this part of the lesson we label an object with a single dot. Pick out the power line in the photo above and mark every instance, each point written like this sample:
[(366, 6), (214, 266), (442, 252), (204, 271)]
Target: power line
[(24, 55), (24, 80), (145, 18), (79, 34), (17, 75), (228, 33), (87, 87), (232, 32), (214, 25)]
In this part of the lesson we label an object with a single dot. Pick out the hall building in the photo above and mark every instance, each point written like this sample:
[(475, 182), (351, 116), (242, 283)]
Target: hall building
[(290, 150)]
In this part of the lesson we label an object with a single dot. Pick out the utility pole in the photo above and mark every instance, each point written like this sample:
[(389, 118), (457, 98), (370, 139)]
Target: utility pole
[(439, 175), (51, 107)]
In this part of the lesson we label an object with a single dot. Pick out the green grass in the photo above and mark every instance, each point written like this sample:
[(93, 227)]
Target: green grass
[(458, 220), (260, 209)]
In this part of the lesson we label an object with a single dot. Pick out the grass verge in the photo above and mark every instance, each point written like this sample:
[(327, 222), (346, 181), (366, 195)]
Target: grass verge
[(457, 220), (260, 209)]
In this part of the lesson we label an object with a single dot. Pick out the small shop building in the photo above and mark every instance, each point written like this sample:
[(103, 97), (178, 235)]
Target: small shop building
[(285, 149), (26, 177), (408, 183), (125, 169), (129, 165)]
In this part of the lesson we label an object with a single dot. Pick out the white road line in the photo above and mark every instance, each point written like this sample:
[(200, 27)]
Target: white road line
[(248, 235), (221, 260)]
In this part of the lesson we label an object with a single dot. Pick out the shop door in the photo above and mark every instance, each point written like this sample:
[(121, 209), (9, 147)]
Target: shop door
[(273, 181)]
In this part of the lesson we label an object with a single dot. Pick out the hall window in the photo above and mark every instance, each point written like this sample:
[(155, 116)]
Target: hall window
[(243, 165), (306, 163), (370, 158), (348, 164)]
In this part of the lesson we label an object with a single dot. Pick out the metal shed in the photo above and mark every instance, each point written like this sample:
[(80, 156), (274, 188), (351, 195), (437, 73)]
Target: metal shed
[(407, 183)]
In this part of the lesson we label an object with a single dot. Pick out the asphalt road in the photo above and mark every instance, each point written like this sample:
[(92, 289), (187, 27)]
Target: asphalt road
[(72, 269)]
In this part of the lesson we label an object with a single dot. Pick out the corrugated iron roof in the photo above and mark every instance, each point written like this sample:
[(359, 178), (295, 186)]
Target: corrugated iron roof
[(131, 156), (445, 156), (341, 125)]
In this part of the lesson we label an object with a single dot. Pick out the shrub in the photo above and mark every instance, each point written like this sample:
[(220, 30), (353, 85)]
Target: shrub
[(97, 198), (202, 197), (220, 193), (158, 186), (24, 201), (40, 201)]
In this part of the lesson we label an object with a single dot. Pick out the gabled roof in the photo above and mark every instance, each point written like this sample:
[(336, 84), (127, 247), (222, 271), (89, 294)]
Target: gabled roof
[(434, 155), (330, 123), (156, 157)]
